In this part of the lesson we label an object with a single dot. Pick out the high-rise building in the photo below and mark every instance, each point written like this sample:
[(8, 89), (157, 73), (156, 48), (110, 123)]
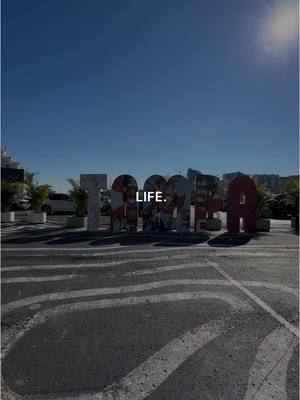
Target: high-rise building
[(283, 180), (11, 170), (271, 181), (229, 176)]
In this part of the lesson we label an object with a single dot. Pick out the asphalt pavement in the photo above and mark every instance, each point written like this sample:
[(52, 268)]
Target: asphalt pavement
[(135, 316)]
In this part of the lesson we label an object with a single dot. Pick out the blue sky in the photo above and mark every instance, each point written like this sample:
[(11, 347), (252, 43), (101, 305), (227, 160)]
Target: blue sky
[(144, 87)]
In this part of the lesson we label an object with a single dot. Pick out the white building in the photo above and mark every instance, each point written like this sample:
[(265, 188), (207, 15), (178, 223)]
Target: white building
[(11, 169)]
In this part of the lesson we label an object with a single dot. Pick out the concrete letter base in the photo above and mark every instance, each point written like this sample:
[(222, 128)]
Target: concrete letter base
[(8, 216), (214, 224), (263, 225), (37, 218), (77, 222)]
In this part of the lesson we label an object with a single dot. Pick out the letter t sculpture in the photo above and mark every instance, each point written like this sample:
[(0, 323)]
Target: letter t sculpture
[(93, 183)]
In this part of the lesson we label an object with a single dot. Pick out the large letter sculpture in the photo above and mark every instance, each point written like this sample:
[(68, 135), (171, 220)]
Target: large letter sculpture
[(176, 193), (206, 187), (241, 185), (155, 183), (93, 183), (123, 203)]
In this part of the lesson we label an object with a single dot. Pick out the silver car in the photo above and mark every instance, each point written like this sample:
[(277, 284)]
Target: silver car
[(59, 203)]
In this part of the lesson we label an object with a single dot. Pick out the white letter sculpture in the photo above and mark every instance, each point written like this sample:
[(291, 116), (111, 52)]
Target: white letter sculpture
[(93, 183)]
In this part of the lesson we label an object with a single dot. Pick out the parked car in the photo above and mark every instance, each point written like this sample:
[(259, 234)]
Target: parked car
[(59, 203), (21, 204)]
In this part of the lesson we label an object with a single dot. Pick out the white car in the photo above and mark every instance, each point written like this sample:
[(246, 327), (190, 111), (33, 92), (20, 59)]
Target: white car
[(59, 203)]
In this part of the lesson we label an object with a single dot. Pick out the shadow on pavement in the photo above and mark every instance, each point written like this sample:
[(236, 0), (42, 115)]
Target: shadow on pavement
[(229, 240), (61, 236)]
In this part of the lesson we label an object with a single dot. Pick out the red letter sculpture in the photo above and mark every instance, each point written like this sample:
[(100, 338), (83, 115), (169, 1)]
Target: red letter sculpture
[(123, 203), (241, 185), (206, 187)]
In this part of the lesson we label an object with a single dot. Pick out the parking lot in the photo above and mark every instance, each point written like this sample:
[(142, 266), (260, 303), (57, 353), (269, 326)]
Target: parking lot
[(134, 316)]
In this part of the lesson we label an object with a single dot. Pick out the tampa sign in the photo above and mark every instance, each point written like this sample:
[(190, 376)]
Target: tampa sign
[(176, 192)]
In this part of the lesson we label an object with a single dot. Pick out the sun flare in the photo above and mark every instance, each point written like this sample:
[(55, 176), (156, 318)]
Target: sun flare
[(283, 25)]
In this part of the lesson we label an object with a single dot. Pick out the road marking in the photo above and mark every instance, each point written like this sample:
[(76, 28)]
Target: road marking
[(50, 248), (12, 334), (91, 265), (26, 279), (203, 246), (204, 252), (267, 379), (166, 268), (132, 383), (14, 305), (118, 245), (9, 230), (257, 300), (118, 290), (146, 378)]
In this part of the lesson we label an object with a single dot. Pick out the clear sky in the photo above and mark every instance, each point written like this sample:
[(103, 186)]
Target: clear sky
[(144, 87)]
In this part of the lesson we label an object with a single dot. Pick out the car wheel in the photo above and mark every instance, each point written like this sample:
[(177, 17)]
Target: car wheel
[(46, 209)]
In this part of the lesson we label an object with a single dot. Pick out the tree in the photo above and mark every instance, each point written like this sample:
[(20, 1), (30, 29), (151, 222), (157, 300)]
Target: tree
[(79, 195), (9, 194), (29, 178), (37, 194), (292, 191), (263, 197)]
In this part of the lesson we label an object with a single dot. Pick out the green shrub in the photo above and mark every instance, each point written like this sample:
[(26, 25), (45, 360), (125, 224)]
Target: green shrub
[(9, 194), (79, 195), (37, 194), (292, 191), (263, 197)]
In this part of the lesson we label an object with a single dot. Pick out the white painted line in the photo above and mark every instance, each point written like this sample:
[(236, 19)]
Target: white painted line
[(145, 378), (27, 301), (257, 300), (26, 227), (267, 379), (160, 364), (203, 246), (204, 251), (27, 279), (94, 248), (12, 334), (166, 268), (282, 254), (91, 265), (62, 248), (272, 286)]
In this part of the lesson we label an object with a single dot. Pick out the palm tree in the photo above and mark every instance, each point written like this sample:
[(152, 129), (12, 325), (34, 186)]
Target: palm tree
[(9, 193), (79, 195), (29, 178), (37, 194)]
